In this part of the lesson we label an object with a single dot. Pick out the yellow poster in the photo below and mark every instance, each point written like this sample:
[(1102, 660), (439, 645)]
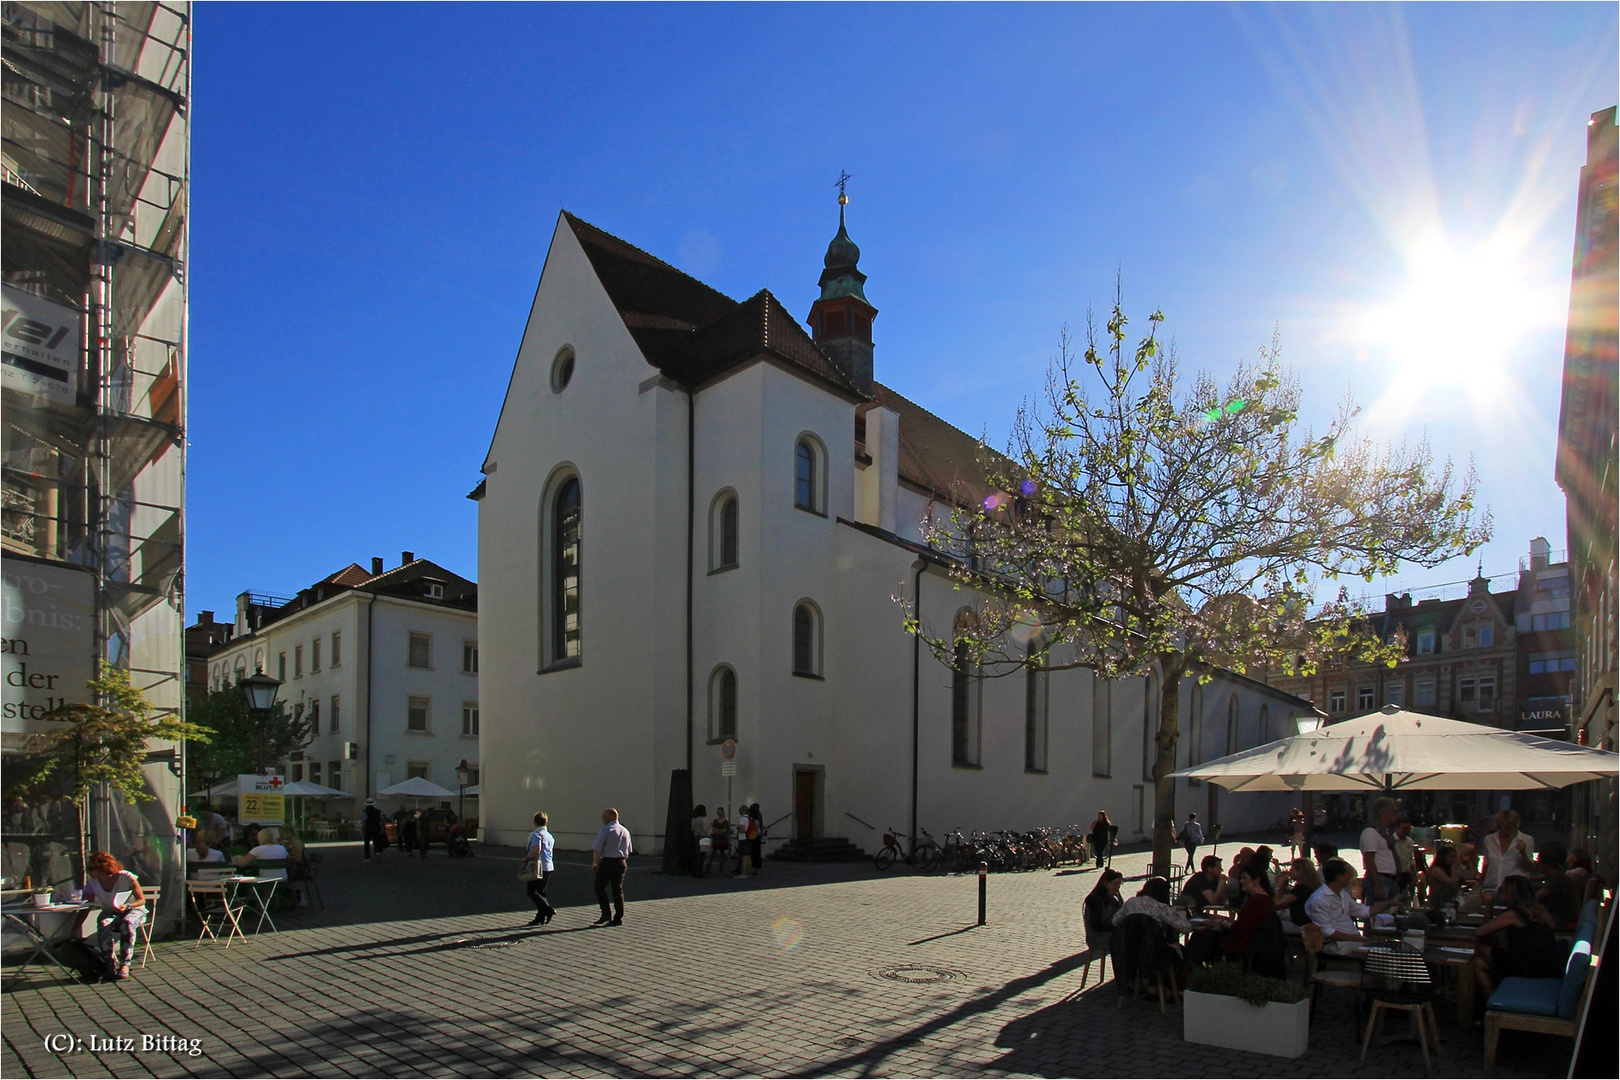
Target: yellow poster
[(260, 799)]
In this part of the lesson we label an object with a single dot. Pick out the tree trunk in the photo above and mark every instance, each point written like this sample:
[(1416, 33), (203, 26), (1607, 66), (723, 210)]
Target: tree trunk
[(1173, 666)]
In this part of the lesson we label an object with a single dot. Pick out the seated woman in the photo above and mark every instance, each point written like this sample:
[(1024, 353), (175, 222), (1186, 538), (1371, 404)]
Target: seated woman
[(1233, 896), (1578, 865), (1468, 865), (268, 850), (1100, 908), (1443, 877), (1154, 900), (294, 846), (201, 852), (120, 909), (1299, 883), (1206, 888), (1519, 941), (1232, 941)]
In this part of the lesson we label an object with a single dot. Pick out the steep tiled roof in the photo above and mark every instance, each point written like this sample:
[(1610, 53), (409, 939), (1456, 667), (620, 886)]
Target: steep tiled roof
[(689, 331), (350, 575)]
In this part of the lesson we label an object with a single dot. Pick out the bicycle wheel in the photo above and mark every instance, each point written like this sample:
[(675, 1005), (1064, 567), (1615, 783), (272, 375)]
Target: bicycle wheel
[(885, 858), (926, 858)]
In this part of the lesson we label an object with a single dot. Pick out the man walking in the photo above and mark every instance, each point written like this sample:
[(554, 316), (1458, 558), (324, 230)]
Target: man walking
[(541, 849), (1192, 834), (610, 854), (372, 829)]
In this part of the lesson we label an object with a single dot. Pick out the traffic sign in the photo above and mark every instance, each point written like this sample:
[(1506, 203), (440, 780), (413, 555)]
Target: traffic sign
[(728, 768), (728, 750)]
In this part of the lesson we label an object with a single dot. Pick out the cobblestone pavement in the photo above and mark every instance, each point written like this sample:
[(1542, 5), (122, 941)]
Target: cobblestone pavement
[(425, 968)]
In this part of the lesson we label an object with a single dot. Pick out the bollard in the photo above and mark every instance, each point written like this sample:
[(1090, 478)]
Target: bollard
[(984, 876)]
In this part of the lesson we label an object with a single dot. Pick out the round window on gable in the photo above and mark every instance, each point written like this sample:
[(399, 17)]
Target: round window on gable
[(562, 369)]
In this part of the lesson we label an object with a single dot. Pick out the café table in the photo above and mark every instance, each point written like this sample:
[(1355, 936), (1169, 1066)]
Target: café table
[(25, 919), (255, 887), (1445, 948)]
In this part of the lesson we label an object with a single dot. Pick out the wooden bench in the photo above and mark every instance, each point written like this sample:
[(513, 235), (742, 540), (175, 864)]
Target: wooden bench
[(1548, 1006)]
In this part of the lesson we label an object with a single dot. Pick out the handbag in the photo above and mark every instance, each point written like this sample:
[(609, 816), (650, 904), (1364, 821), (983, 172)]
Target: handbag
[(526, 868)]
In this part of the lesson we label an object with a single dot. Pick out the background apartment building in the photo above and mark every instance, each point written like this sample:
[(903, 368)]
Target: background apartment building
[(384, 663), (96, 171)]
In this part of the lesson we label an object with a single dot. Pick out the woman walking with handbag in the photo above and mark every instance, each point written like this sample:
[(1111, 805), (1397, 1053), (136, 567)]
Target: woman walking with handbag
[(536, 869)]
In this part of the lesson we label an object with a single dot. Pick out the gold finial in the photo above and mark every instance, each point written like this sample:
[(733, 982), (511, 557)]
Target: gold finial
[(843, 196), (843, 200)]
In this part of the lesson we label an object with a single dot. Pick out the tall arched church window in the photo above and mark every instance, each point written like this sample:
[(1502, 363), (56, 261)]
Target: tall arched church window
[(723, 531), (1265, 725), (1232, 724), (806, 639), (1150, 723), (722, 704), (565, 570), (1102, 726), (964, 741), (1036, 681), (804, 475)]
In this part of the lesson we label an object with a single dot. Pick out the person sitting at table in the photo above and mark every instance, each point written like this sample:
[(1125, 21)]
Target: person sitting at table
[(1335, 911), (1557, 892), (120, 908), (1301, 881), (1468, 865), (268, 850), (1207, 888), (1519, 941), (1444, 877), (1230, 894), (201, 852), (1233, 940), (1100, 908), (1264, 857), (1324, 854), (1508, 852), (1405, 849), (1578, 865), (294, 846), (1154, 900)]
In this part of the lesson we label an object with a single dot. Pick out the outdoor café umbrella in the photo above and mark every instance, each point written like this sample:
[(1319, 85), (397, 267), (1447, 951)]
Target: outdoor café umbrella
[(226, 790), (302, 789), (471, 791), (1393, 749), (418, 787)]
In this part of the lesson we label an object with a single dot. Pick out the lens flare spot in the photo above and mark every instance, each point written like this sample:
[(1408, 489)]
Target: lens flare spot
[(991, 502), (1027, 488), (787, 933)]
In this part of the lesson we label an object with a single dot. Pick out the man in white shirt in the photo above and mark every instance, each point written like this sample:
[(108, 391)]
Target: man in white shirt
[(1335, 911), (1377, 857), (541, 849), (610, 855), (1508, 852)]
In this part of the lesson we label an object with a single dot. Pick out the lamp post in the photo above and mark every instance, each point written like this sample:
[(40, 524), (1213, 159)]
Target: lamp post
[(461, 777), (260, 691)]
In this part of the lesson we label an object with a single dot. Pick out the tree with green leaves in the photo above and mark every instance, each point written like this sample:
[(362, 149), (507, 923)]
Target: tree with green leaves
[(1143, 524), (234, 733)]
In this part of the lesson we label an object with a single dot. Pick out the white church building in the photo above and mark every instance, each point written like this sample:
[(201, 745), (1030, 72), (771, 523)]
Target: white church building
[(694, 519)]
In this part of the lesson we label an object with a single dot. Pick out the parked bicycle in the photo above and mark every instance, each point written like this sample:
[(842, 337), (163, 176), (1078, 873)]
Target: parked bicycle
[(922, 855)]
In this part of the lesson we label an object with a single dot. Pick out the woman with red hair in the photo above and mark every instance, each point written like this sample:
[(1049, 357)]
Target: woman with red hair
[(122, 910)]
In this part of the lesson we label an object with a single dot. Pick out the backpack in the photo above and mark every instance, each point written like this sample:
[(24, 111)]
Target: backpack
[(78, 957)]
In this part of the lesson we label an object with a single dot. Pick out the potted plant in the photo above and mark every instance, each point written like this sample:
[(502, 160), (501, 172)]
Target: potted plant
[(1227, 1006)]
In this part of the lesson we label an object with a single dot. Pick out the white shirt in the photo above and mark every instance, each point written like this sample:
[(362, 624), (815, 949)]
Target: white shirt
[(270, 851), (542, 839), (1336, 911), (214, 855), (612, 841), (1499, 864), (1374, 844)]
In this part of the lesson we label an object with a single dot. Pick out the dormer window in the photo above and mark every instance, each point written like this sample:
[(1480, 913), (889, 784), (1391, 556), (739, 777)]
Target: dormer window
[(1486, 636), (1425, 642), (433, 590)]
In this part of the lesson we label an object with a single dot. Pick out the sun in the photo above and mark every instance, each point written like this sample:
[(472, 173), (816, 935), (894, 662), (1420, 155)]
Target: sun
[(1454, 320)]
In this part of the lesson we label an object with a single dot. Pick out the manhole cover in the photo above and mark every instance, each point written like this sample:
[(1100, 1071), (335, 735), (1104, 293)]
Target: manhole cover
[(917, 974)]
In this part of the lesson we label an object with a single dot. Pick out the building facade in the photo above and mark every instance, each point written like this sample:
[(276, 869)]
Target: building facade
[(96, 172), (694, 520), (383, 663), (1586, 471), (1505, 659)]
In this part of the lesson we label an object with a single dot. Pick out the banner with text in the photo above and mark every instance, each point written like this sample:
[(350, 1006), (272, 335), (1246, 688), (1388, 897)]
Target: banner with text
[(259, 799), (49, 617), (41, 347)]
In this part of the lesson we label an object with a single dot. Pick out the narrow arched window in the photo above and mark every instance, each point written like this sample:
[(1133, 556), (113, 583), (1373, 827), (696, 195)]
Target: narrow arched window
[(1102, 726), (723, 704), (1265, 724), (1150, 723), (1036, 678), (723, 531), (959, 706), (806, 643), (1195, 729), (1232, 725), (804, 476), (565, 569)]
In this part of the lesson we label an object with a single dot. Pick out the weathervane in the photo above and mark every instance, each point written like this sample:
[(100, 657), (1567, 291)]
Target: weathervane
[(843, 196)]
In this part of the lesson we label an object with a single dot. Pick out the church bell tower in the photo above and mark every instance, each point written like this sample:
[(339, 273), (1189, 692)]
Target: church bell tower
[(841, 321)]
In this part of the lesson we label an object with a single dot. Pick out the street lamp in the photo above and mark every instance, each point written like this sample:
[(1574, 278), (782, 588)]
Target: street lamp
[(461, 776), (260, 691)]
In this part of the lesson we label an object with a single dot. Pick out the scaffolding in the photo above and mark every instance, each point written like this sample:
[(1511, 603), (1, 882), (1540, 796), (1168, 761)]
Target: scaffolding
[(96, 171)]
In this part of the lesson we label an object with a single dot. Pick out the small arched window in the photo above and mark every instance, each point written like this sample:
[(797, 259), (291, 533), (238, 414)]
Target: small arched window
[(1036, 682), (806, 640), (1232, 724), (964, 740), (722, 704), (808, 475), (241, 668), (563, 578), (562, 369), (723, 532)]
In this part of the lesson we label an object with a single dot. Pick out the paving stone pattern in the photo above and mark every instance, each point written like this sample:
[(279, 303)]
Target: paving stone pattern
[(425, 968)]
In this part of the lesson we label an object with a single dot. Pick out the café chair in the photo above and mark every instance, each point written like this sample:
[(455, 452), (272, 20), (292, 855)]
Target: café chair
[(1320, 979), (143, 933), (301, 877), (215, 904), (1140, 952), (1398, 981)]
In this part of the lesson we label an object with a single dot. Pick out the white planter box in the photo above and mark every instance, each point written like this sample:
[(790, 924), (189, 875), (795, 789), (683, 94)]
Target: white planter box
[(1218, 1020)]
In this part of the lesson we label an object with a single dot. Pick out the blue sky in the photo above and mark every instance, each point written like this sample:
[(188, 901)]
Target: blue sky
[(1391, 188)]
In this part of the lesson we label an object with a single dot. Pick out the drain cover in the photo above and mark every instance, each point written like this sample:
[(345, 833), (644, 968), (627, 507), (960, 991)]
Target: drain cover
[(917, 974)]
